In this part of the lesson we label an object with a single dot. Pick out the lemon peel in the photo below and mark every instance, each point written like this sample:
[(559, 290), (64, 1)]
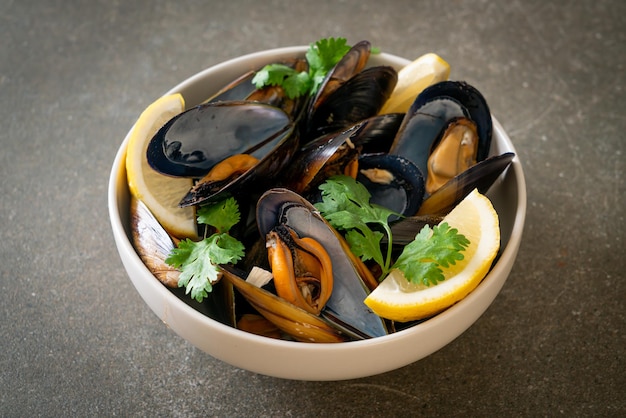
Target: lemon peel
[(424, 71), (397, 299), (160, 193)]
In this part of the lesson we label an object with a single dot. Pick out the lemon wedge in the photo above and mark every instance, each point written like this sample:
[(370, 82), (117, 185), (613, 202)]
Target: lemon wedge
[(158, 192), (413, 78), (397, 299)]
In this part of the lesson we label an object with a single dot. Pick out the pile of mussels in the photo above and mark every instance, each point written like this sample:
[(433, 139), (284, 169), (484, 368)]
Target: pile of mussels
[(271, 153)]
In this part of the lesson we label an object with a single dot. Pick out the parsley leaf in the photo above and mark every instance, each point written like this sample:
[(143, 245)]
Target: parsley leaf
[(365, 244), (199, 261), (222, 215), (345, 205), (432, 249), (321, 57)]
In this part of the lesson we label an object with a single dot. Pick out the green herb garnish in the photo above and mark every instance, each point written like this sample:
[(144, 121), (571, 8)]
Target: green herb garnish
[(434, 248), (346, 206), (199, 261), (321, 57)]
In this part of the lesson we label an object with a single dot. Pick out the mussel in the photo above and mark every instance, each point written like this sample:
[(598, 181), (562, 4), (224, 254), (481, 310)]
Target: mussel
[(447, 134), (274, 152), (194, 142), (302, 270), (290, 319), (348, 94), (242, 88), (392, 181), (153, 244), (344, 309), (359, 98)]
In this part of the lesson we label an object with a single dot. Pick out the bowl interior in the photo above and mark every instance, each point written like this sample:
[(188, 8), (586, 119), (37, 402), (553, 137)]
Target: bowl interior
[(307, 361)]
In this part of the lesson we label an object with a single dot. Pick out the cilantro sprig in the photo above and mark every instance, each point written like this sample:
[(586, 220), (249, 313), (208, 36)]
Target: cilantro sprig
[(321, 57), (199, 261), (346, 206), (422, 259)]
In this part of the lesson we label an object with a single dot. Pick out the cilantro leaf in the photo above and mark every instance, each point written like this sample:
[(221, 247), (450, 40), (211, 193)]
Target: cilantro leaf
[(321, 57), (199, 262), (422, 259), (297, 85), (365, 244), (346, 206), (222, 215), (325, 53), (281, 75), (345, 203)]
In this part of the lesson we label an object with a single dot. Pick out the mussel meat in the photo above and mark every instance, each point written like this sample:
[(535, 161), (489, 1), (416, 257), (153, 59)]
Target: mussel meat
[(345, 308), (392, 181), (447, 134), (302, 270)]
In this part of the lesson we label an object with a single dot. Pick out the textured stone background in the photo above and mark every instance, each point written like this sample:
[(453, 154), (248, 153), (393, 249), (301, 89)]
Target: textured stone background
[(77, 340)]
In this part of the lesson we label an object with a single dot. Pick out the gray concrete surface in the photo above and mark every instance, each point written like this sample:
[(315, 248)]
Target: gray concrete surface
[(77, 340)]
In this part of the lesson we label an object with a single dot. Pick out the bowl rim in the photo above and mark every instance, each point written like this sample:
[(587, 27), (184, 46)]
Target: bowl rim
[(484, 289)]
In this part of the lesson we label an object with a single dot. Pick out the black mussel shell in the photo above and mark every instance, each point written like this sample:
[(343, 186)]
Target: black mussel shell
[(431, 112), (238, 89), (345, 308), (393, 182), (378, 132), (480, 176), (360, 97), (352, 63), (191, 143)]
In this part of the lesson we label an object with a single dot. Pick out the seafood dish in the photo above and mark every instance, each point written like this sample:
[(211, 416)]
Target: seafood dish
[(298, 279)]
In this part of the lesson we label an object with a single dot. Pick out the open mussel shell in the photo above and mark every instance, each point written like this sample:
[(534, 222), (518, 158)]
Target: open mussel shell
[(290, 319), (431, 113), (191, 143), (345, 308), (153, 245), (242, 88), (480, 176), (332, 153), (393, 182), (360, 97), (320, 159), (349, 65)]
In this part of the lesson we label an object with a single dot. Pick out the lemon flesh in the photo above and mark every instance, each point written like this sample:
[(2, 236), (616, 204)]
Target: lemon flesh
[(413, 79), (160, 193), (397, 299)]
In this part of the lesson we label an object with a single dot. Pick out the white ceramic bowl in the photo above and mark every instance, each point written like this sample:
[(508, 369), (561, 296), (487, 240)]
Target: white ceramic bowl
[(308, 361)]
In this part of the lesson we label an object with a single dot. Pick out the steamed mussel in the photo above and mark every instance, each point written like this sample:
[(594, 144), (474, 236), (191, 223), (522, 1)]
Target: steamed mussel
[(271, 153)]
